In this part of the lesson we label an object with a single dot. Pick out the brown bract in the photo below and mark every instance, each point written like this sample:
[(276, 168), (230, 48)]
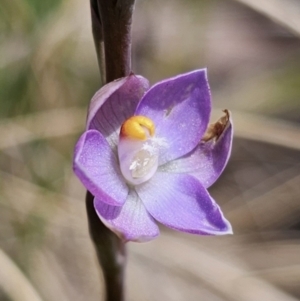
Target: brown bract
[(215, 130)]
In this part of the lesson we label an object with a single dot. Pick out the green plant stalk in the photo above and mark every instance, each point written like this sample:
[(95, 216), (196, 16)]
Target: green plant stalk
[(111, 26), (110, 251), (116, 20)]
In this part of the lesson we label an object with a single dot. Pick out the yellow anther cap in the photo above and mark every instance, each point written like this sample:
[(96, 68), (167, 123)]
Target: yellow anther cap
[(134, 127)]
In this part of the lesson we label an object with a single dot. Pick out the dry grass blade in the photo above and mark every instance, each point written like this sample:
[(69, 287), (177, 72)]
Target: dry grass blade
[(14, 283), (287, 275), (279, 200), (276, 261), (41, 126), (229, 278), (62, 265), (287, 12)]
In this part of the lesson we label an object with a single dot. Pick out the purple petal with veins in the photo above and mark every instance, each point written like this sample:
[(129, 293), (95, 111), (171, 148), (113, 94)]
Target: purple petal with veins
[(180, 108), (113, 104), (131, 222), (208, 159), (96, 166), (180, 201)]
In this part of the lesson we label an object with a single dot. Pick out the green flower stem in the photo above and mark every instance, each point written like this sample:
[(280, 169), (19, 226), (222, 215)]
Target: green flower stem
[(116, 20), (110, 251), (98, 38), (111, 25)]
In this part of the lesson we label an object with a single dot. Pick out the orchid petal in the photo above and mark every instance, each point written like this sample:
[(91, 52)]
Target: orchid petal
[(180, 109), (207, 161), (113, 104), (96, 166), (131, 222), (179, 201)]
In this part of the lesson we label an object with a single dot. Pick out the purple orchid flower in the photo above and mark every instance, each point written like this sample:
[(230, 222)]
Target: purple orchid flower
[(148, 155)]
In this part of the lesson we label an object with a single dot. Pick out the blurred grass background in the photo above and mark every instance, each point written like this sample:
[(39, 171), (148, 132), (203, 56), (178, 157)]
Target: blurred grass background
[(48, 73)]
